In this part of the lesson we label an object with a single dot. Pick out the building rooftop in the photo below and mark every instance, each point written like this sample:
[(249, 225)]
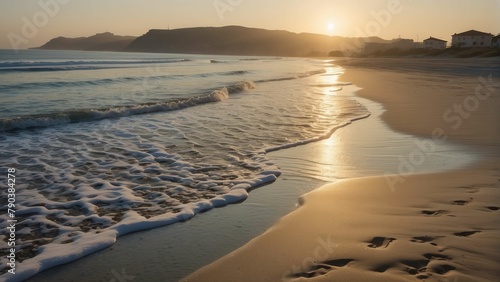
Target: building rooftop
[(433, 38), (472, 32)]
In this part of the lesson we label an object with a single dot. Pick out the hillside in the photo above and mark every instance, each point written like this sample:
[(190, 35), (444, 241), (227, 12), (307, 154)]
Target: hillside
[(100, 42), (237, 40), (228, 40)]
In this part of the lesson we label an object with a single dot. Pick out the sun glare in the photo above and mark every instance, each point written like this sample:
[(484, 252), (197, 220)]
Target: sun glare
[(330, 26)]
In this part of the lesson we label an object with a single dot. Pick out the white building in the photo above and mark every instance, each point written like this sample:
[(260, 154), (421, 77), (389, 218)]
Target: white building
[(434, 43), (495, 41), (471, 38)]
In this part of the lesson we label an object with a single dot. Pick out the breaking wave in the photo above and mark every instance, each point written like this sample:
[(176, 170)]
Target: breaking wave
[(73, 116)]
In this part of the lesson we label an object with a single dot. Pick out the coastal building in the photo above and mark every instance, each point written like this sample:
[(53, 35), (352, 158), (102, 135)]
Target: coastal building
[(471, 38), (495, 41), (434, 43), (400, 44)]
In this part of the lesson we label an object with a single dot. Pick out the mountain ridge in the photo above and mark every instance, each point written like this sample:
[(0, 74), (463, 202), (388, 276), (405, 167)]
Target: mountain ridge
[(238, 40), (105, 41), (226, 40)]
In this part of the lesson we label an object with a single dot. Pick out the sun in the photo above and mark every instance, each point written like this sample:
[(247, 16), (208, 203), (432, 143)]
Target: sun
[(330, 26)]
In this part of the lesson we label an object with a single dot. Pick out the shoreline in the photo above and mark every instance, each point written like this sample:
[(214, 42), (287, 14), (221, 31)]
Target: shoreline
[(170, 253), (436, 226)]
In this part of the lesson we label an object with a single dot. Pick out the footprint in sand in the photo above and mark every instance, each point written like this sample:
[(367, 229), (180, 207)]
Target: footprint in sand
[(462, 202), (423, 266), (442, 268), (434, 212), (424, 239), (465, 233), (415, 267), (323, 268), (378, 242)]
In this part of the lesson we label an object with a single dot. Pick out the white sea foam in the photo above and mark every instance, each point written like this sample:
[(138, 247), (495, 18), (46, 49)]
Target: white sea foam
[(220, 95)]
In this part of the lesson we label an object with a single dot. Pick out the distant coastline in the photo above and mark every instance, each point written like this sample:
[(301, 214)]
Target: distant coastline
[(238, 40), (100, 42), (228, 40)]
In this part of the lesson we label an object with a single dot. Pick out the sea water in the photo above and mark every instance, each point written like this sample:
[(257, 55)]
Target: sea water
[(105, 144)]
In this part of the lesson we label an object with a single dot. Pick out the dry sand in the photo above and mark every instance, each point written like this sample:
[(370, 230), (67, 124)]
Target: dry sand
[(406, 227)]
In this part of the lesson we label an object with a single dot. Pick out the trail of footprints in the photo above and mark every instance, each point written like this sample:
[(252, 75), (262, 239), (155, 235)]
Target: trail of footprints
[(430, 263), (421, 269), (323, 268)]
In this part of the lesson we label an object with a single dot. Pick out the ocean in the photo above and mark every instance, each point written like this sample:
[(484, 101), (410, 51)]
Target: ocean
[(104, 144)]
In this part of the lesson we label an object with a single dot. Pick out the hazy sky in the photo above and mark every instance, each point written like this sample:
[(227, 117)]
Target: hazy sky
[(30, 23)]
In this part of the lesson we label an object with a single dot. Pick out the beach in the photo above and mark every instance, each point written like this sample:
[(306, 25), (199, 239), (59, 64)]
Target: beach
[(402, 226), (229, 141), (393, 204)]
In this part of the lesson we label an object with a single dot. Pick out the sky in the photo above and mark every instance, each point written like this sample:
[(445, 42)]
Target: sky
[(31, 23)]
